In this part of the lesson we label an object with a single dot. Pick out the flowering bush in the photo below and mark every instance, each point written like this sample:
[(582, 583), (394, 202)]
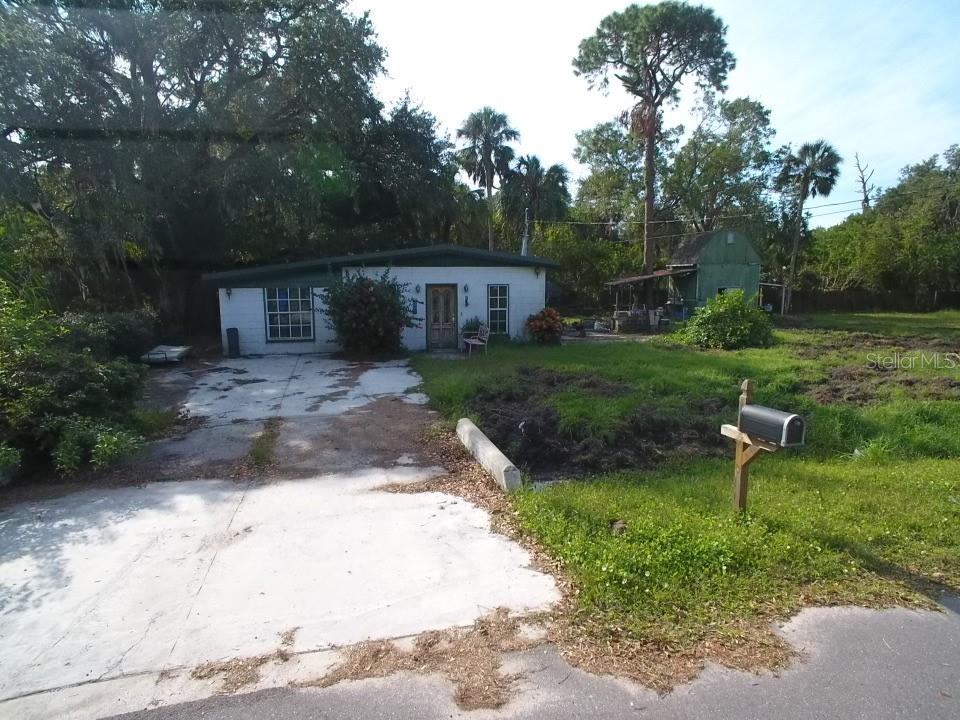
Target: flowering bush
[(368, 314), (545, 327)]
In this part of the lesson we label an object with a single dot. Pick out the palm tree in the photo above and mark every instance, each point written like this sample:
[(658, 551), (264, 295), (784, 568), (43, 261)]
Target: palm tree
[(543, 190), (487, 154), (812, 171)]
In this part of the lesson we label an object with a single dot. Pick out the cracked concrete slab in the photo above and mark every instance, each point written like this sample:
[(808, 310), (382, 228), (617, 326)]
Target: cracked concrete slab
[(297, 386), (106, 583), (105, 591)]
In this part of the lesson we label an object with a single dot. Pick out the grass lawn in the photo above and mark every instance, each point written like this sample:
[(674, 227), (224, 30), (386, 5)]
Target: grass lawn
[(942, 324), (868, 512)]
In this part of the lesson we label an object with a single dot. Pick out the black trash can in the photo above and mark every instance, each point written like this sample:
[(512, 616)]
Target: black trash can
[(233, 343)]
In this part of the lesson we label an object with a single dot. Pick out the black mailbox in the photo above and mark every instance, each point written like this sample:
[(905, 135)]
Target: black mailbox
[(776, 426)]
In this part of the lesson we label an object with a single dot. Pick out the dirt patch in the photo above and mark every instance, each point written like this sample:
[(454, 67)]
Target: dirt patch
[(545, 379), (863, 384), (240, 672), (373, 435), (468, 657), (519, 419), (582, 636), (596, 648)]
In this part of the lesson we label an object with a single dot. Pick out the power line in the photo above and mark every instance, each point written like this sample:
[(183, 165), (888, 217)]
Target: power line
[(948, 185), (662, 222), (676, 235), (658, 222)]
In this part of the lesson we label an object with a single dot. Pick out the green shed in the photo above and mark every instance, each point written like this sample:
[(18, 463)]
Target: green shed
[(709, 264)]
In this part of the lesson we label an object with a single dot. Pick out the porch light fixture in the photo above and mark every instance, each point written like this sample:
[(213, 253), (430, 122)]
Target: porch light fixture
[(536, 271), (466, 288), (229, 293), (417, 289)]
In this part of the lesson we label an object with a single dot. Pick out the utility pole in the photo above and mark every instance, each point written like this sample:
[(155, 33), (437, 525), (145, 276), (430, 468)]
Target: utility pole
[(863, 179), (525, 247)]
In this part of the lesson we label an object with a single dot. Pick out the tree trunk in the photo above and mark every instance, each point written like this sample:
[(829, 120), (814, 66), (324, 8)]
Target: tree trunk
[(649, 248), (490, 212), (649, 245), (794, 251)]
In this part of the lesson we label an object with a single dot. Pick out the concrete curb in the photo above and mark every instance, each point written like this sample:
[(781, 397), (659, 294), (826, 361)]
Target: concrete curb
[(488, 455)]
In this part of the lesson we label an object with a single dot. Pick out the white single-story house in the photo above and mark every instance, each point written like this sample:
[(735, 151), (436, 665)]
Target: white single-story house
[(280, 308)]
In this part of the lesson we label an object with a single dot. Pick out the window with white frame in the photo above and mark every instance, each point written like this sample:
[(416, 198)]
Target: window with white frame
[(498, 309), (289, 313)]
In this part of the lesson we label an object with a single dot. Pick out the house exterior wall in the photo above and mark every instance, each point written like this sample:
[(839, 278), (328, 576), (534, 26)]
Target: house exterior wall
[(245, 310), (722, 275), (527, 294)]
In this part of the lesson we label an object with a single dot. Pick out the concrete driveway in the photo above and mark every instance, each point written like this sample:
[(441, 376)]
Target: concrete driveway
[(109, 597)]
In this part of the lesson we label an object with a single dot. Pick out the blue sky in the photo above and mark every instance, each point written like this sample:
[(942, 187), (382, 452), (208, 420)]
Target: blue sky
[(878, 78)]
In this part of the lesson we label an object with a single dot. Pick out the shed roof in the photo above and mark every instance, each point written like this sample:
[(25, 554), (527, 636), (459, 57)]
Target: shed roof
[(425, 256), (654, 274), (688, 252), (692, 248)]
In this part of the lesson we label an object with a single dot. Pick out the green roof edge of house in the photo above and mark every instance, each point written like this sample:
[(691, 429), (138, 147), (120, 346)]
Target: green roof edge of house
[(384, 257)]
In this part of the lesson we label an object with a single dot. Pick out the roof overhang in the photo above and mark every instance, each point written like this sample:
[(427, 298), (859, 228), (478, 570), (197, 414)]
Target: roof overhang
[(652, 276), (426, 256)]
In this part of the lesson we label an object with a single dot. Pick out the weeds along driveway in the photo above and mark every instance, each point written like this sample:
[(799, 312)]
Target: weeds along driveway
[(153, 580)]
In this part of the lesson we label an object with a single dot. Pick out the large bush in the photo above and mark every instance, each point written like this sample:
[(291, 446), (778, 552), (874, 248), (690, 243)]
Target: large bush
[(368, 314), (52, 394), (545, 327), (727, 322), (126, 334)]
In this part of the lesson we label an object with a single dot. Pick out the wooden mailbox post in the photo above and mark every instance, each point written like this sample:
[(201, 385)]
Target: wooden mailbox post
[(747, 449)]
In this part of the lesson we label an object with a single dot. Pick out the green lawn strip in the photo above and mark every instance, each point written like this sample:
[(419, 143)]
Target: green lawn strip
[(153, 423), (656, 375), (866, 513), (941, 324), (262, 449), (817, 531)]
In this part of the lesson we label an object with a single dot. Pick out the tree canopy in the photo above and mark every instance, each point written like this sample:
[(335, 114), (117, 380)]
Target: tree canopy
[(197, 135), (908, 242), (651, 50), (810, 172), (531, 186), (487, 154)]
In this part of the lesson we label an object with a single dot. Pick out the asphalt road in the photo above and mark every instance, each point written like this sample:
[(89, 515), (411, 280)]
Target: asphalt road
[(857, 664)]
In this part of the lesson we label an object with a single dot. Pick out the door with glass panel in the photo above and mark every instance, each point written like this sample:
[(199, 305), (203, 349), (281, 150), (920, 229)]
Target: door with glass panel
[(441, 316)]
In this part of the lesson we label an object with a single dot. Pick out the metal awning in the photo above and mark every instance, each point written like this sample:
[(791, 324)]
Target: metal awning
[(655, 274)]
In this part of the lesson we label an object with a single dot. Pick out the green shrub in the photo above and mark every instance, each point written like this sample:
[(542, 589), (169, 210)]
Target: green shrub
[(545, 327), (48, 390), (471, 326), (368, 314), (97, 444), (154, 424), (729, 322), (9, 458), (108, 335)]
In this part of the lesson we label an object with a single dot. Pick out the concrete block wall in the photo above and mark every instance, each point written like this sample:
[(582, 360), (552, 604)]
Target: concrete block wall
[(527, 294), (244, 309)]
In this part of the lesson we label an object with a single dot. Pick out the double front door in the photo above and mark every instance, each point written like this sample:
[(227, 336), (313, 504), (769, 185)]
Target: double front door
[(441, 316)]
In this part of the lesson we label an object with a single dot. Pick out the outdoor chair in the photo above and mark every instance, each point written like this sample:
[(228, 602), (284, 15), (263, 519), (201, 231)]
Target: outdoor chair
[(478, 339)]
